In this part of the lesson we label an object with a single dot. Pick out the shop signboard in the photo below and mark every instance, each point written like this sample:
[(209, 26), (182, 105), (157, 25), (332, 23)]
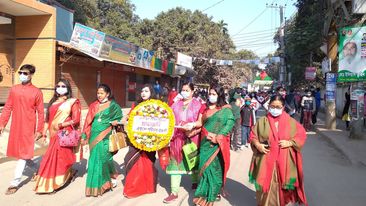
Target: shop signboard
[(352, 54), (87, 39), (310, 73), (331, 86), (354, 109), (184, 60), (357, 102)]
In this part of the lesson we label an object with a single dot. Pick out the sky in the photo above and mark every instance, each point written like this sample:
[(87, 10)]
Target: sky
[(251, 23)]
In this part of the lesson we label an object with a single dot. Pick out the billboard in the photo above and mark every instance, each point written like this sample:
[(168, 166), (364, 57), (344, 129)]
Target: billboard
[(358, 6), (87, 39), (352, 54)]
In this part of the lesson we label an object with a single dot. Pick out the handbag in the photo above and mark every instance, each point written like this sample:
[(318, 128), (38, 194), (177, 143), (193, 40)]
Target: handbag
[(117, 140), (190, 151), (69, 139)]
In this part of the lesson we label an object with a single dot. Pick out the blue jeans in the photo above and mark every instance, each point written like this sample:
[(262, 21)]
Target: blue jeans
[(245, 131)]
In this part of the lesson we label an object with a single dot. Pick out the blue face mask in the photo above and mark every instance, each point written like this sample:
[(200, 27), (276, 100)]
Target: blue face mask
[(247, 103)]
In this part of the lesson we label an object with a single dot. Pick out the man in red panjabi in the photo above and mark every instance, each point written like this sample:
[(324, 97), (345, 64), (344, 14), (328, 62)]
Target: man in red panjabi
[(22, 104)]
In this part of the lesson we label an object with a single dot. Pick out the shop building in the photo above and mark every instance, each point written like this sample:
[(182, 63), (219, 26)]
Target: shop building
[(27, 36)]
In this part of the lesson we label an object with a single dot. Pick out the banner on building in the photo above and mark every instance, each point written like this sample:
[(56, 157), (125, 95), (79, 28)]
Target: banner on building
[(310, 73), (87, 39), (352, 54), (103, 46), (117, 49)]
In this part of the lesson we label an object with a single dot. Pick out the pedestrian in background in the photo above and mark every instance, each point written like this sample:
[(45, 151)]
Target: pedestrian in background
[(214, 157), (141, 174), (291, 105), (172, 94), (318, 100), (308, 106), (102, 115), (63, 114), (164, 93), (345, 114), (276, 166), (248, 119), (157, 89), (235, 102), (188, 115), (25, 106)]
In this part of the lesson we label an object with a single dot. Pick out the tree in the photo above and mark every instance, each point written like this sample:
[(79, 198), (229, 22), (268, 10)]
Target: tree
[(223, 27), (113, 17), (303, 36)]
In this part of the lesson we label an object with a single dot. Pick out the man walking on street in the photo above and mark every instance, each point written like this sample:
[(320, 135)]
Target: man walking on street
[(22, 104), (236, 132), (318, 100), (290, 103)]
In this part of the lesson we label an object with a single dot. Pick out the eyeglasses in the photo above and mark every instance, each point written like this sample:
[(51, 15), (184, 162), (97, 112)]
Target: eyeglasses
[(63, 86), (25, 73), (275, 107)]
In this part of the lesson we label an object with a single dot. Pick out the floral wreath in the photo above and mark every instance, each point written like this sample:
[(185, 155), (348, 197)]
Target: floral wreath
[(150, 141)]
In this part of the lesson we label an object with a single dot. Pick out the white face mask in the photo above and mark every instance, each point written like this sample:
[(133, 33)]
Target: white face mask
[(275, 112), (23, 78), (212, 99), (61, 90), (104, 100), (185, 94)]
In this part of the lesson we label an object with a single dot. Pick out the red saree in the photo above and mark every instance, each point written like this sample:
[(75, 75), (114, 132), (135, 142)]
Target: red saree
[(141, 174), (278, 173), (55, 168)]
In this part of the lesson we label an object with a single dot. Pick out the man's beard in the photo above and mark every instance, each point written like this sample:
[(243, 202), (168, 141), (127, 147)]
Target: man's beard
[(349, 59)]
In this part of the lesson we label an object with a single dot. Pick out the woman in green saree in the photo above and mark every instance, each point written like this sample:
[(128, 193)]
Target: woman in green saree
[(218, 121), (101, 173)]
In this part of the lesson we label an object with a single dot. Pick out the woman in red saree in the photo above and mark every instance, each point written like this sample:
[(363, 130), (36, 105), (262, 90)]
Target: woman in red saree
[(63, 114), (141, 174), (276, 167)]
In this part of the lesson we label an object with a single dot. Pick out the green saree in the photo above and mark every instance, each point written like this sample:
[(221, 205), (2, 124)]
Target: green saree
[(213, 165), (100, 165)]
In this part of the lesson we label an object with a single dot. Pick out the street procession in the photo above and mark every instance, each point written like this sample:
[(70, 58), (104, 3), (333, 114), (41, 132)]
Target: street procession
[(183, 102)]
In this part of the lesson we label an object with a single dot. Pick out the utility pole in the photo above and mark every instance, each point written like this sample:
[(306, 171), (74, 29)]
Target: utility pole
[(283, 72)]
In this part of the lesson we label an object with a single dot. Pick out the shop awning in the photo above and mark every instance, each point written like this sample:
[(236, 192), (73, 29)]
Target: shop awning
[(24, 8)]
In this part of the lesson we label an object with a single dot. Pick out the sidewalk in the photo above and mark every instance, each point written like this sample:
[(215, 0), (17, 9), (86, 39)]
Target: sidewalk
[(353, 149)]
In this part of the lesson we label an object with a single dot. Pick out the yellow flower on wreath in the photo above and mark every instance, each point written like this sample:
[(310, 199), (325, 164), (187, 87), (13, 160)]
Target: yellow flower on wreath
[(149, 141)]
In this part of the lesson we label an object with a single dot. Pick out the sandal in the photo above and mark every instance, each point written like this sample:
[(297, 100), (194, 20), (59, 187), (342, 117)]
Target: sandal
[(34, 177), (73, 175), (218, 198), (11, 190)]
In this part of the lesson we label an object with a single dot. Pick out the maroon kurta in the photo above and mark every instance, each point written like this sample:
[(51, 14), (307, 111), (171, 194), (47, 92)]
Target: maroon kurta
[(22, 104)]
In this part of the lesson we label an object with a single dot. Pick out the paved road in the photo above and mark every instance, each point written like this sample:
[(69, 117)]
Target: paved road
[(330, 180)]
